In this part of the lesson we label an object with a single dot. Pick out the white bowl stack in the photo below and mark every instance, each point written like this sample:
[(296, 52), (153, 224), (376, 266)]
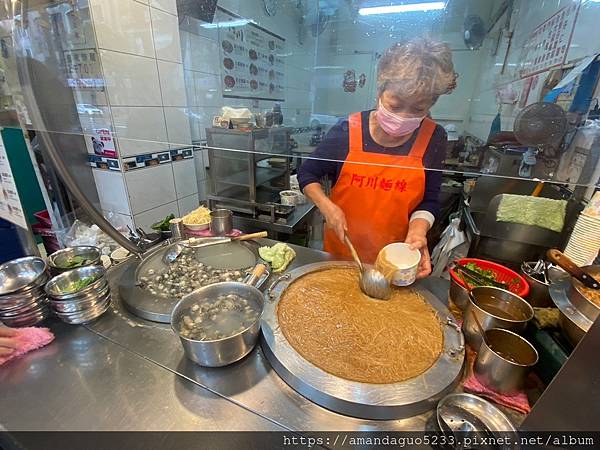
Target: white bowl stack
[(584, 243)]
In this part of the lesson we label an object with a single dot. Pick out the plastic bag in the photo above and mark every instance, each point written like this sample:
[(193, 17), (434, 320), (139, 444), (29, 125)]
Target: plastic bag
[(453, 245)]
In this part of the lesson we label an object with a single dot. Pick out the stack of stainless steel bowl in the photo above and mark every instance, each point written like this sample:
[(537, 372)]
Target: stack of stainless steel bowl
[(22, 299), (84, 305)]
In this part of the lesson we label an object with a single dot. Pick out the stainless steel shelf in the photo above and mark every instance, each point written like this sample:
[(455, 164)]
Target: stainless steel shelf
[(263, 175)]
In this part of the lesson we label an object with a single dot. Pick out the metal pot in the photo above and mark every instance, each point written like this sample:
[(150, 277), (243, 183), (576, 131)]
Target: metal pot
[(494, 308), (573, 323), (538, 294), (579, 300), (458, 294), (221, 352), (503, 361), (221, 222)]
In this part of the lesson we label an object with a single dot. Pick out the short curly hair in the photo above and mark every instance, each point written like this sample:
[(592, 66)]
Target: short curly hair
[(420, 67)]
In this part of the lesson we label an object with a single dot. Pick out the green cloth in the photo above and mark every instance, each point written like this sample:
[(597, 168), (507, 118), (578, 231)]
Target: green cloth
[(280, 255), (537, 211)]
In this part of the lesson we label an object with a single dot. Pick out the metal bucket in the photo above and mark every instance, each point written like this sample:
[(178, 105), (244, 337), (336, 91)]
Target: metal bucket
[(504, 360), (220, 352), (494, 308)]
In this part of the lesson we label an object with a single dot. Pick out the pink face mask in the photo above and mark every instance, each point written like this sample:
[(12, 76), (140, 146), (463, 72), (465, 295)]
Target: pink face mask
[(395, 125)]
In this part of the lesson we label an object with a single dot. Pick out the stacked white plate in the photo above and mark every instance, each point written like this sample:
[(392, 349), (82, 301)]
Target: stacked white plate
[(584, 243)]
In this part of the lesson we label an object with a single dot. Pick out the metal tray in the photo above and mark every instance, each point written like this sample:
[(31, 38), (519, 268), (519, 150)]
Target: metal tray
[(157, 308), (363, 400)]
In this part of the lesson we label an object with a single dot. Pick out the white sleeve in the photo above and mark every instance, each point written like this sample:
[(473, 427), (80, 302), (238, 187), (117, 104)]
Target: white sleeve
[(422, 214)]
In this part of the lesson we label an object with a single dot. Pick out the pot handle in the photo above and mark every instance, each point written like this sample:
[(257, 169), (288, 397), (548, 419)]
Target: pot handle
[(287, 276), (247, 237), (557, 257), (258, 272), (454, 352)]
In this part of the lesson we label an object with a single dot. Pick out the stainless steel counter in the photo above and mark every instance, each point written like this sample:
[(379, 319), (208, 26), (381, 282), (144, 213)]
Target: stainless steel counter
[(125, 373), (83, 382)]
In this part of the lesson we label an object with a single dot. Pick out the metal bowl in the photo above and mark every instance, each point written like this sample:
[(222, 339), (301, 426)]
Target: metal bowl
[(21, 274), (11, 301), (55, 288), (86, 316), (220, 352), (58, 260), (80, 305), (24, 309), (27, 320), (494, 308), (490, 417)]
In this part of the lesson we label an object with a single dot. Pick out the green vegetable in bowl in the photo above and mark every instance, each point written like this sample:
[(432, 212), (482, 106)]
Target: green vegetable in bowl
[(74, 261), (77, 286), (163, 225)]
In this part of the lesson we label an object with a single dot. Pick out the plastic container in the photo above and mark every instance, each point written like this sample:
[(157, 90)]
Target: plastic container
[(503, 275)]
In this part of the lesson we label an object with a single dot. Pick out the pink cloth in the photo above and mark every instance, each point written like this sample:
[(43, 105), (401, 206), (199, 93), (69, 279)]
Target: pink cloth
[(30, 338), (519, 401), (208, 233)]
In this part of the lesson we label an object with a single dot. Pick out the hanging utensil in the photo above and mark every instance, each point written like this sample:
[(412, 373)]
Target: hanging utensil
[(372, 282), (557, 257), (174, 253)]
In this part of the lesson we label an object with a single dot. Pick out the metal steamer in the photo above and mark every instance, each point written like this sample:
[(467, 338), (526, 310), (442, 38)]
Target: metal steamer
[(362, 400), (141, 302)]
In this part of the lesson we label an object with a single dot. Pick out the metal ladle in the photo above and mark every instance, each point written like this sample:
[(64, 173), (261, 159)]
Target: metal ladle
[(372, 282)]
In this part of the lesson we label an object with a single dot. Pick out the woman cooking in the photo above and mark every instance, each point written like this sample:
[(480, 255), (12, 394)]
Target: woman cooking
[(381, 192)]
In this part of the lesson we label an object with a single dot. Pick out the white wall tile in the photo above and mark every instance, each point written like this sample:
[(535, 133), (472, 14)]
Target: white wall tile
[(146, 219), (190, 88), (172, 83), (188, 204), (208, 89), (204, 117), (178, 126), (150, 187), (111, 191), (169, 6), (123, 26), (184, 173), (130, 80), (203, 55), (145, 2), (199, 165), (165, 28), (140, 129)]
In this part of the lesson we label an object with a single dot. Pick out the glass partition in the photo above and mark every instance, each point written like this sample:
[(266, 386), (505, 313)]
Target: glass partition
[(158, 105)]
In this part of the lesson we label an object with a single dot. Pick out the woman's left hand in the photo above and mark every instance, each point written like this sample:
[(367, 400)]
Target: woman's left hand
[(418, 240)]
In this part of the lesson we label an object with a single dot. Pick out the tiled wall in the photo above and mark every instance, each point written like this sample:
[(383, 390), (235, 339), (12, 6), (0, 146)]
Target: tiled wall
[(146, 108)]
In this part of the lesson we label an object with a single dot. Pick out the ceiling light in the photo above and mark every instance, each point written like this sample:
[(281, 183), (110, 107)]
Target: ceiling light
[(408, 7), (228, 24)]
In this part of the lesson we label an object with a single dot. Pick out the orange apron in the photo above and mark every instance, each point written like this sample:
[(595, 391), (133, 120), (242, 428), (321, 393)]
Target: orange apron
[(377, 193)]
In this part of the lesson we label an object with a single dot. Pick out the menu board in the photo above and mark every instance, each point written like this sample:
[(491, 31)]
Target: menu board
[(252, 64), (10, 203), (548, 44)]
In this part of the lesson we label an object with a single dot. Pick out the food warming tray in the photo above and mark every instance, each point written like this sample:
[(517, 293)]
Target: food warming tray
[(141, 302), (363, 400)]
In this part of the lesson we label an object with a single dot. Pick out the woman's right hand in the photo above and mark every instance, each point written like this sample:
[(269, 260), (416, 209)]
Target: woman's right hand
[(8, 341), (336, 219)]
